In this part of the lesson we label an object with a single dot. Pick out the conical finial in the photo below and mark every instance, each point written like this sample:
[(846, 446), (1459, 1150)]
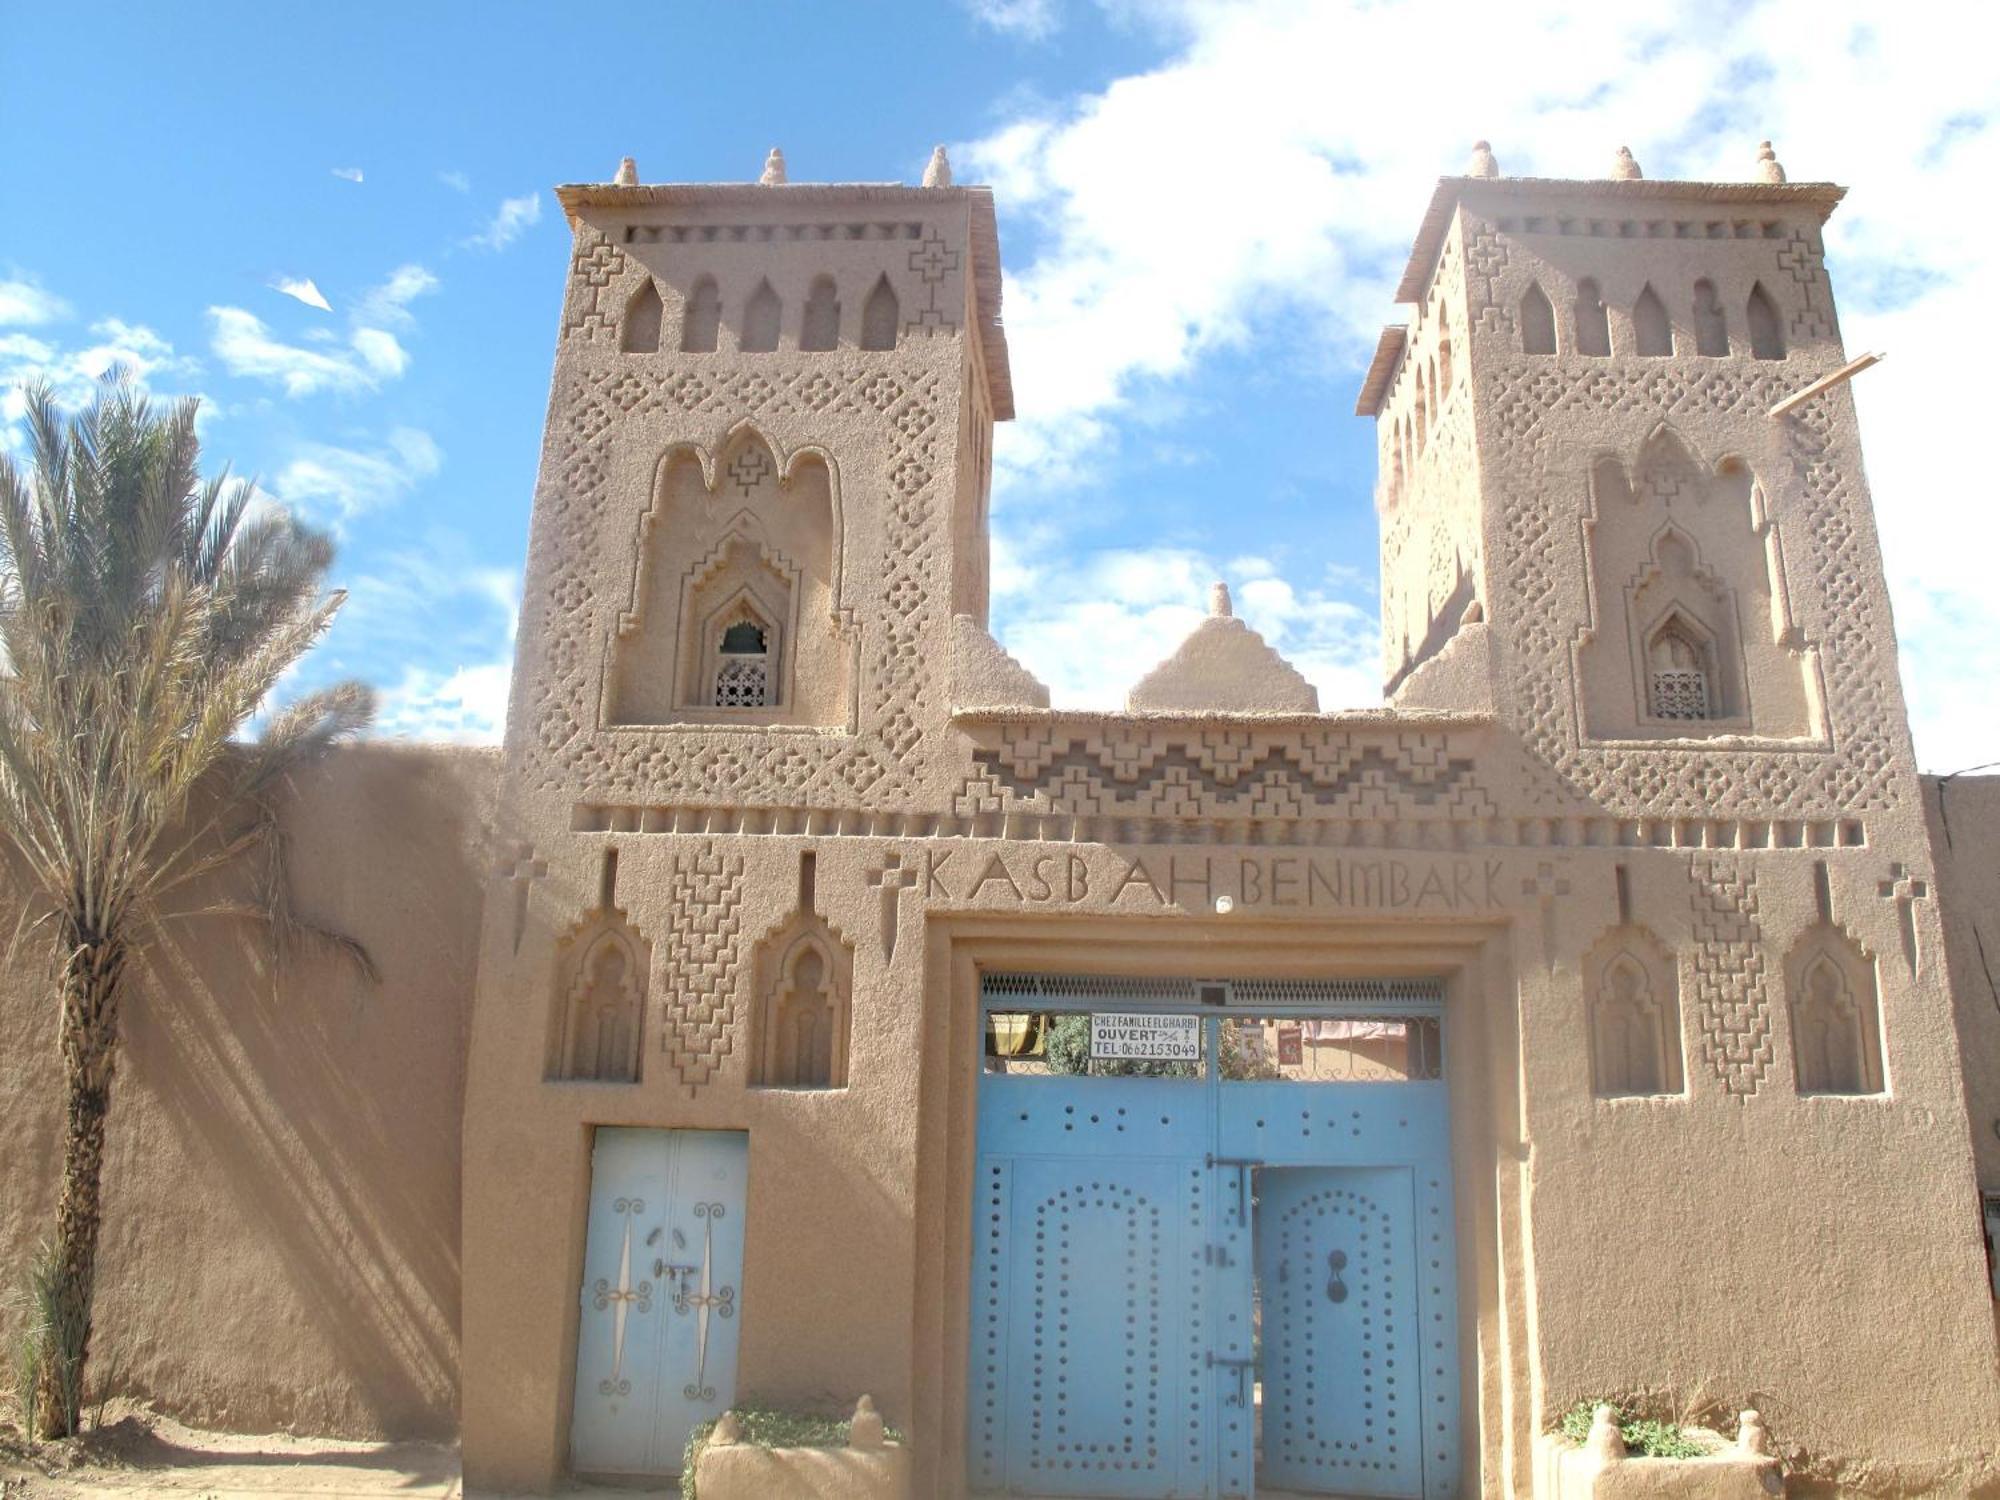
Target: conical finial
[(1751, 1435), (938, 172), (1624, 168), (1768, 169), (1482, 163), (628, 173), (865, 1430), (774, 169), (728, 1431), (1605, 1440), (1218, 600)]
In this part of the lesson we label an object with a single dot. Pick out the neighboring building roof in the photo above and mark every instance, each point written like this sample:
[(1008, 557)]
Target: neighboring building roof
[(1381, 370), (575, 196), (1437, 218)]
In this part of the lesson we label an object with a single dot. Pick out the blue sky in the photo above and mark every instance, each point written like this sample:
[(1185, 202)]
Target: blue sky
[(1203, 207)]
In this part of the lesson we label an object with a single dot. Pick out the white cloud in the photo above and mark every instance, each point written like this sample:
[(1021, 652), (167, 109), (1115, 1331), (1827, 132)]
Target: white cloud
[(513, 219), (73, 373), (466, 706), (458, 182), (347, 174), (302, 290), (25, 303), (437, 626), (388, 305), (1264, 182), (249, 349), (336, 484), (1091, 624), (1033, 19)]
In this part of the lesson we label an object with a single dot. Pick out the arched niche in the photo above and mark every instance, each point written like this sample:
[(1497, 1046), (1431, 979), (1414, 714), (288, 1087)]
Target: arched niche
[(1689, 631), (819, 324), (1593, 322), (600, 1001), (1711, 327), (1538, 321), (1632, 1016), (763, 314), (701, 317), (1833, 1002), (881, 317), (738, 546), (1767, 331), (805, 986), (639, 331), (1652, 332)]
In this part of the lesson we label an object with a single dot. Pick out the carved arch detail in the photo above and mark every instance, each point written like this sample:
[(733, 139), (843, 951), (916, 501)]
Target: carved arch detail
[(1835, 1008), (599, 1011), (1632, 1016), (803, 1020)]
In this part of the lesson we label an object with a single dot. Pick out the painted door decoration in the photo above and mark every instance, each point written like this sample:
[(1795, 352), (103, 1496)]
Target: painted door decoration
[(1198, 1285), (1336, 1264), (663, 1260)]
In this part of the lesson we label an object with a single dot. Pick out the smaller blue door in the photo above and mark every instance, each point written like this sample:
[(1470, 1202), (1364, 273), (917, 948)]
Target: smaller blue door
[(662, 1262), (1337, 1270)]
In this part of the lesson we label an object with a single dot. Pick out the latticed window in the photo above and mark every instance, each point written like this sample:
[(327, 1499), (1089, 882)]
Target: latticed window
[(1680, 693), (743, 677), (1679, 675)]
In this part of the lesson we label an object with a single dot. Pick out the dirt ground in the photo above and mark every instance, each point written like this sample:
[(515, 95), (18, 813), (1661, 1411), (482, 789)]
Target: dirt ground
[(139, 1452)]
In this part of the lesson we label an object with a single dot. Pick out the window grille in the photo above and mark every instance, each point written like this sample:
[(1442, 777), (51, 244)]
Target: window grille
[(1680, 693), (743, 682)]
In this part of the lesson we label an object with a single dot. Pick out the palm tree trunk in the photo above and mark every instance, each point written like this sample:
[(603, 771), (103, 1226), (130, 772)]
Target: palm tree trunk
[(91, 980)]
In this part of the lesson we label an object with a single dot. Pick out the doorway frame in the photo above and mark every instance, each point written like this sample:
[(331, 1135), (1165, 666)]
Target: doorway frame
[(1474, 962)]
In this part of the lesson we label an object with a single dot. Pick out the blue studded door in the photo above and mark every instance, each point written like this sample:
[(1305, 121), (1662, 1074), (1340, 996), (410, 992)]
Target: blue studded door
[(1336, 1268), (663, 1260), (1219, 1268)]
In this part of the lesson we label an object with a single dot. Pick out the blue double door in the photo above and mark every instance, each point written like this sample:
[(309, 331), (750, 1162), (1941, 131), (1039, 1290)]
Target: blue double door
[(1208, 1287), (662, 1267)]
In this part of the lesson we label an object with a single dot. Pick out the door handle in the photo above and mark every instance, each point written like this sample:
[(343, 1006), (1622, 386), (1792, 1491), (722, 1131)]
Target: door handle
[(1242, 1367), (1336, 1289)]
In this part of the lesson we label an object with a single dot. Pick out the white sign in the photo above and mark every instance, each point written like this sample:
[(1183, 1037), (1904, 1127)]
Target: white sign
[(1151, 1038)]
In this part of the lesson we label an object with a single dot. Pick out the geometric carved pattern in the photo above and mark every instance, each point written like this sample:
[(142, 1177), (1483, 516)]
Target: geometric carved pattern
[(656, 408), (1730, 1003), (704, 912), (1536, 558), (1191, 772)]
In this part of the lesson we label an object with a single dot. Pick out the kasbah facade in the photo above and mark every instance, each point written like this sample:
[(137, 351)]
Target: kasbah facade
[(1609, 1014)]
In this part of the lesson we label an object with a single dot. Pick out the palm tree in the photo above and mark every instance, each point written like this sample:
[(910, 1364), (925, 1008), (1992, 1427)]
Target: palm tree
[(145, 615)]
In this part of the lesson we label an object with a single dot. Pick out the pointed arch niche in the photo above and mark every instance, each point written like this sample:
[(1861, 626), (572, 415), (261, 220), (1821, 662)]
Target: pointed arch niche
[(599, 1015), (1690, 632), (805, 988), (1633, 1016), (733, 615), (1835, 1014)]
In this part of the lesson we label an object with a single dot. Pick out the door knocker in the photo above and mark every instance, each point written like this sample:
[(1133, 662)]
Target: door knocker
[(1336, 1289)]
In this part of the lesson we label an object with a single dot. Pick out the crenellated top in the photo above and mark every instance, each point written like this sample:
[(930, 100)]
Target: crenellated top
[(1619, 197), (783, 212)]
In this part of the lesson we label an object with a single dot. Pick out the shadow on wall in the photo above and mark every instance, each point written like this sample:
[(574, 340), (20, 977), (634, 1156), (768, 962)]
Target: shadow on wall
[(282, 1223)]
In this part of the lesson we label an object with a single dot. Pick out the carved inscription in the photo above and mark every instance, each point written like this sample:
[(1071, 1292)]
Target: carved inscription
[(1191, 882)]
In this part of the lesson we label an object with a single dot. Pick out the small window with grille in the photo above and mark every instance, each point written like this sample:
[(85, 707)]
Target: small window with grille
[(743, 667), (1680, 678)]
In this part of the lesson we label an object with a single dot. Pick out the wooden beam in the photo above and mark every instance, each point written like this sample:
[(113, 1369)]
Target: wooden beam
[(1827, 382)]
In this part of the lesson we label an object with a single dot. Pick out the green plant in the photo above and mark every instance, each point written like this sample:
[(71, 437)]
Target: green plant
[(770, 1429), (145, 616), (1645, 1437)]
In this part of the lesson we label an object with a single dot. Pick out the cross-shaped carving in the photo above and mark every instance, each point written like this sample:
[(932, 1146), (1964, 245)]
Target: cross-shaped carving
[(931, 261), (750, 468), (523, 869), (1546, 886), (890, 880), (1905, 890)]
